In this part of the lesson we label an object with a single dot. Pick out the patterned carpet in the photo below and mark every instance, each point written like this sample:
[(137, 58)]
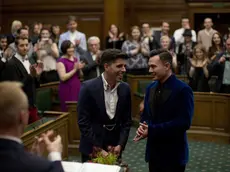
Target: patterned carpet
[(204, 157)]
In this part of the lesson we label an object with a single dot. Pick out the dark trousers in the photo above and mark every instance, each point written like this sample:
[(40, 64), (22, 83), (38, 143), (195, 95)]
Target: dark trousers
[(172, 168), (85, 158)]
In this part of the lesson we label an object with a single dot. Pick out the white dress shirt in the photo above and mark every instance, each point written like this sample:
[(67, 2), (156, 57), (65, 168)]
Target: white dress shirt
[(53, 156), (24, 61), (97, 68), (73, 36), (111, 98), (179, 38)]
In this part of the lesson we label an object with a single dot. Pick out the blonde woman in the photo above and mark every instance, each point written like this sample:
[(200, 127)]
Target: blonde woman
[(16, 24), (198, 72), (165, 44)]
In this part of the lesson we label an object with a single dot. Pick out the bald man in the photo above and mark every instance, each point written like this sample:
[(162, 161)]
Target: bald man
[(13, 119), (205, 35)]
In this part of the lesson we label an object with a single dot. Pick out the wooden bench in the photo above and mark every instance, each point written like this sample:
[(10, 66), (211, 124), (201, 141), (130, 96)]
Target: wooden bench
[(57, 121)]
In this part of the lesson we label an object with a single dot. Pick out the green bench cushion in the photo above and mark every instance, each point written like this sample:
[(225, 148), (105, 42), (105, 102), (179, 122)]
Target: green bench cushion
[(44, 99)]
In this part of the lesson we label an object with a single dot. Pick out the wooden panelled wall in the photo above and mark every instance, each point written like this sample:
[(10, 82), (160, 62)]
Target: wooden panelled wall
[(91, 13)]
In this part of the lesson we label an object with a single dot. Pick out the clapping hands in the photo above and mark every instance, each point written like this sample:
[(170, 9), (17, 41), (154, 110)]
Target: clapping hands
[(48, 142)]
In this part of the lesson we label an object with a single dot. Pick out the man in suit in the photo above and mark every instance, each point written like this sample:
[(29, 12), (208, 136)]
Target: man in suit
[(104, 108), (165, 27), (13, 119), (18, 68), (76, 37), (91, 58), (168, 111)]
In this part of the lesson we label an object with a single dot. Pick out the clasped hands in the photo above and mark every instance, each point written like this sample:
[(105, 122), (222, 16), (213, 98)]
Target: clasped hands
[(110, 149), (142, 132), (47, 141)]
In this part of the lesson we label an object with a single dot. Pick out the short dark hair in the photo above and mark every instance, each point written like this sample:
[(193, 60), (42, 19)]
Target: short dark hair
[(19, 30), (110, 55), (3, 37), (72, 18), (164, 55), (20, 38), (65, 45)]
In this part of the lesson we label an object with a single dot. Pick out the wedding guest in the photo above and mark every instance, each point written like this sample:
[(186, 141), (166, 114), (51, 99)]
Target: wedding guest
[(18, 68), (178, 34), (92, 68), (16, 24), (185, 52), (217, 46), (47, 52), (35, 33), (137, 62), (115, 38), (198, 72), (167, 115), (165, 44), (13, 120), (77, 38), (205, 35), (69, 71), (55, 33), (104, 109)]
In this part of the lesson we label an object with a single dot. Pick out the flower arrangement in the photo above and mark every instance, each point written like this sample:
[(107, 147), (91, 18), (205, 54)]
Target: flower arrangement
[(110, 159)]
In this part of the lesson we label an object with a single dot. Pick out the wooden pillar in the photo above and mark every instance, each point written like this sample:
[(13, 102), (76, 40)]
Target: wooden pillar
[(113, 14)]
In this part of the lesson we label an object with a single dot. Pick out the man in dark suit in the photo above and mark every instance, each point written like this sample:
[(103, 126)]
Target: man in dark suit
[(165, 27), (167, 114), (104, 108), (13, 119), (91, 58), (18, 68)]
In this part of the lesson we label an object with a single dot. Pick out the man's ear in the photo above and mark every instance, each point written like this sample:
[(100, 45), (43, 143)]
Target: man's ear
[(24, 117), (106, 65)]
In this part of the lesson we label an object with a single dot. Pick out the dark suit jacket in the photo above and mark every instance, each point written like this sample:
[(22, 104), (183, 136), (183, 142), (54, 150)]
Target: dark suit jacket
[(13, 158), (168, 121), (2, 66), (89, 70), (15, 71), (92, 116)]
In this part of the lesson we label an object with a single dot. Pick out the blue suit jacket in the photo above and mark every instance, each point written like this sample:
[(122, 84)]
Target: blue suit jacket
[(167, 140), (92, 116), (14, 158)]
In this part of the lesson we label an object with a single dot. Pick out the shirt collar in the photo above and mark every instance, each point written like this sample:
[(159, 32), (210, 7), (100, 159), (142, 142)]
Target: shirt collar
[(19, 57), (12, 138), (106, 85)]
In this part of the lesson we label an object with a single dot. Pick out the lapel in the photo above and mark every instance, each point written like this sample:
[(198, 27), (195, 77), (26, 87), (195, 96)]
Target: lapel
[(100, 95), (151, 100), (20, 68), (90, 57), (119, 101)]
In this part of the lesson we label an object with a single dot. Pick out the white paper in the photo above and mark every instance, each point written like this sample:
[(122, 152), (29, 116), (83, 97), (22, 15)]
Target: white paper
[(89, 167), (72, 166)]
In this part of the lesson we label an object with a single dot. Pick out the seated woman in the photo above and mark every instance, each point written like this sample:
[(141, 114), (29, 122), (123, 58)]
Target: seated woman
[(198, 71), (115, 38), (137, 63), (69, 71), (47, 52)]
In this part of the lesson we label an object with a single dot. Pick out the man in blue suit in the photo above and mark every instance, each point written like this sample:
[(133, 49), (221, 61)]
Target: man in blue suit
[(168, 111), (104, 108), (13, 119)]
